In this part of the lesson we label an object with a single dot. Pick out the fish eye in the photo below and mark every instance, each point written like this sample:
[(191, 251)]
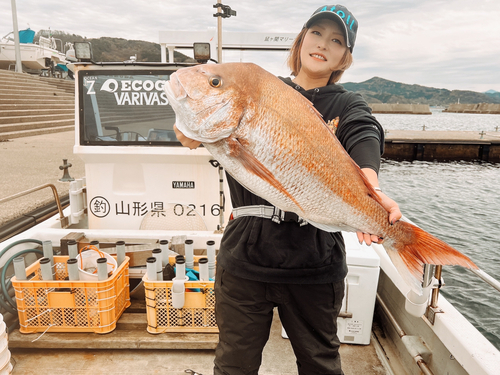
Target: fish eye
[(215, 82)]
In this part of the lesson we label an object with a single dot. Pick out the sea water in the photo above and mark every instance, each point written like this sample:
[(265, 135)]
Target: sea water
[(458, 202)]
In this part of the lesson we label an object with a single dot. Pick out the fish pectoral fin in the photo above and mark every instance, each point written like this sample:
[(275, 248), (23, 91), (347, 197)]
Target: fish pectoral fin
[(254, 166)]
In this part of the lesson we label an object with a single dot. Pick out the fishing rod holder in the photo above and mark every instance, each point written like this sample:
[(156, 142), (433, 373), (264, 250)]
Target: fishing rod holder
[(418, 305)]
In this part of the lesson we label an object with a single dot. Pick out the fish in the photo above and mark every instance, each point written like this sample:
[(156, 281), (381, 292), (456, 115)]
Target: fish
[(273, 141)]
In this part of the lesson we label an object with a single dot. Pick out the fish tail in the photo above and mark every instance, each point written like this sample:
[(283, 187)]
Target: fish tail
[(415, 247)]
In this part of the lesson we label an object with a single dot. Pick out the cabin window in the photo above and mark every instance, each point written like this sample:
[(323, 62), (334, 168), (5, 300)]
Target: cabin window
[(125, 108)]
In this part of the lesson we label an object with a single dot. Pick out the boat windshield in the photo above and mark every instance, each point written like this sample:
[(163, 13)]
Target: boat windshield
[(125, 108)]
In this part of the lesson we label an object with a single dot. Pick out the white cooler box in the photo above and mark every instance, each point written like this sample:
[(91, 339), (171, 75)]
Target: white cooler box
[(360, 294), (361, 290)]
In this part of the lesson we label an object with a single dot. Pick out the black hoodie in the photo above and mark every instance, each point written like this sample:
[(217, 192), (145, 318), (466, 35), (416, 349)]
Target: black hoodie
[(259, 249)]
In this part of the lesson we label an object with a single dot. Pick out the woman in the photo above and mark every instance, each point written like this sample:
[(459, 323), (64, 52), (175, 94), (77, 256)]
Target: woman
[(297, 268)]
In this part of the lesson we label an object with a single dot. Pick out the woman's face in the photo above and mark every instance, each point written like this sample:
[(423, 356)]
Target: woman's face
[(322, 49)]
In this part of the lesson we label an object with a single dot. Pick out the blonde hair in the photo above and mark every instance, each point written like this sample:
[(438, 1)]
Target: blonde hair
[(294, 63)]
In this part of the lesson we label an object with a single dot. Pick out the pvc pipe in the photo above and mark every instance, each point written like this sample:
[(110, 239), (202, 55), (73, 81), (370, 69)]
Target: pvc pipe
[(180, 267), (151, 268), (189, 251), (120, 252), (72, 249), (203, 268), (46, 269), (165, 252), (102, 269), (48, 251), (20, 268), (72, 265), (157, 253), (211, 258)]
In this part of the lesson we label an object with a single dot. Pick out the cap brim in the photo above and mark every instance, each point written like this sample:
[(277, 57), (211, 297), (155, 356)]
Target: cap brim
[(332, 16)]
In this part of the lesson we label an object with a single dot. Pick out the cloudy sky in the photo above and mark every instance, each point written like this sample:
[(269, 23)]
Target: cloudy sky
[(452, 44)]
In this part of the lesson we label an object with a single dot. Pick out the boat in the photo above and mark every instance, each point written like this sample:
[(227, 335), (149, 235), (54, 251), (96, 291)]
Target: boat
[(142, 187), (45, 54)]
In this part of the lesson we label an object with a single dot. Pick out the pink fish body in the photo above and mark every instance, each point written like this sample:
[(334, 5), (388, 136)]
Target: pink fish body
[(274, 142)]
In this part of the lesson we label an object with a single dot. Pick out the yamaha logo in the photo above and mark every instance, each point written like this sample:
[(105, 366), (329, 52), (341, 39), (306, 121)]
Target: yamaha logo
[(182, 184)]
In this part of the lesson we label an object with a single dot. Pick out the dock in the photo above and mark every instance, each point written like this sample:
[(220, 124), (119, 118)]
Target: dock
[(407, 109), (480, 108), (442, 145)]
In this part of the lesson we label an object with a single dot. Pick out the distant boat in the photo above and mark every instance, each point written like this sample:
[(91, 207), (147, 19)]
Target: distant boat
[(34, 56)]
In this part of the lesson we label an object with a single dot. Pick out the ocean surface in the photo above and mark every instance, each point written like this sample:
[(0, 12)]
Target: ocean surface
[(458, 202)]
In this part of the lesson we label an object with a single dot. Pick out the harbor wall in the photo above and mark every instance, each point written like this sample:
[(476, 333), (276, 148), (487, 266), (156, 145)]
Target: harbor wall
[(481, 108), (415, 109)]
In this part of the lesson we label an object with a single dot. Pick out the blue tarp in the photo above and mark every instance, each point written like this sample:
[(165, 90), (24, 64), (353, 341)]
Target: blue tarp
[(26, 36)]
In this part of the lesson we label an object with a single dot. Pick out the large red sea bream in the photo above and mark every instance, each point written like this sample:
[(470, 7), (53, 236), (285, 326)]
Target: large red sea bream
[(273, 141)]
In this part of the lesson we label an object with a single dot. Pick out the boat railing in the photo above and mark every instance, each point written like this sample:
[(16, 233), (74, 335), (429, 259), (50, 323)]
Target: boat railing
[(63, 219)]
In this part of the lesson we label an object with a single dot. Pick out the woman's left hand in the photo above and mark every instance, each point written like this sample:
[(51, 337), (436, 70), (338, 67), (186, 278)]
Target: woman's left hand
[(394, 215), (390, 205)]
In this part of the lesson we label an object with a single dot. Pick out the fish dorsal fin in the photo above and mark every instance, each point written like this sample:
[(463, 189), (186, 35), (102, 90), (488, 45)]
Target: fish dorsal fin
[(254, 166)]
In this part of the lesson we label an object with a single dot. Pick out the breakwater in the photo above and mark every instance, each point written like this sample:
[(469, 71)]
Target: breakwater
[(412, 109), (442, 145), (481, 108)]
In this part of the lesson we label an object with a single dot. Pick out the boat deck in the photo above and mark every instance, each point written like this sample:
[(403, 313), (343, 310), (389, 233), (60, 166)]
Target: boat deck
[(131, 350)]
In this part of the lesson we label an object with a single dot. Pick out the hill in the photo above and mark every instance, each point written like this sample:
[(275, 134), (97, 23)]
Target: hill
[(116, 49), (379, 90), (374, 90)]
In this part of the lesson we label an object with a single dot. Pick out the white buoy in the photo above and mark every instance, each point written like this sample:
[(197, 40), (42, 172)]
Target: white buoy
[(189, 251), (20, 268), (72, 249), (46, 269), (211, 258)]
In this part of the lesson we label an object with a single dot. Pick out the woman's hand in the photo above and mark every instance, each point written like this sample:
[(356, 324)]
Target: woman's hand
[(185, 141), (390, 205)]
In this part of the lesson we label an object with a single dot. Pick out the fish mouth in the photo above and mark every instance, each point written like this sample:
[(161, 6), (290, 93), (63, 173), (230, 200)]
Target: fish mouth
[(174, 89)]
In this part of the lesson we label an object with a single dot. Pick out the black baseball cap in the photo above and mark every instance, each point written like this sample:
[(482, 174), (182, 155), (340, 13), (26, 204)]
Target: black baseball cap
[(341, 15)]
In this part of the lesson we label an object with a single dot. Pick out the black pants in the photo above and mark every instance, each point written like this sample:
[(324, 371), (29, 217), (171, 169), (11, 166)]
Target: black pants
[(244, 311)]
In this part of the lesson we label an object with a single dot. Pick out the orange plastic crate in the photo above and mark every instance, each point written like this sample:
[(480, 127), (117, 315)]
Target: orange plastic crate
[(70, 306), (197, 315)]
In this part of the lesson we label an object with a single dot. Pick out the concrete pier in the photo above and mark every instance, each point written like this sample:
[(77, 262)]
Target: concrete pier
[(442, 145), (411, 109), (481, 108)]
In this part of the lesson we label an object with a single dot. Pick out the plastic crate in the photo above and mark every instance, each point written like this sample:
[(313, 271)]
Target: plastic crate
[(70, 306), (197, 315)]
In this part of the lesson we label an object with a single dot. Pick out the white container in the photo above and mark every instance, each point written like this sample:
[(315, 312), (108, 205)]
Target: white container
[(361, 291), (4, 355), (89, 259)]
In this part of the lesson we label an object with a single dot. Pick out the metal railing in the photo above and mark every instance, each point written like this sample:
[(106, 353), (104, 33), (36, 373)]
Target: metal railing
[(63, 219)]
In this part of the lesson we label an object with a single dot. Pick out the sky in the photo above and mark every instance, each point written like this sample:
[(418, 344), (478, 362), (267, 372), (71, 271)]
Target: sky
[(450, 44)]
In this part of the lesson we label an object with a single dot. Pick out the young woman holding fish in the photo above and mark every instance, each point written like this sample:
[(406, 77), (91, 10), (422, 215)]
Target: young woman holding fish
[(264, 262)]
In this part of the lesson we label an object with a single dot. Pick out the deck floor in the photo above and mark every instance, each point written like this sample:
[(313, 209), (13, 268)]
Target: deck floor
[(278, 358)]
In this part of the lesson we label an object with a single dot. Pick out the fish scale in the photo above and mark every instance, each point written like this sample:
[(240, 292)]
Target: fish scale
[(274, 142)]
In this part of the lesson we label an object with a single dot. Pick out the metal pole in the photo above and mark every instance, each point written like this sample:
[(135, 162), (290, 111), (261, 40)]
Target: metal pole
[(19, 66), (435, 292), (219, 35)]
